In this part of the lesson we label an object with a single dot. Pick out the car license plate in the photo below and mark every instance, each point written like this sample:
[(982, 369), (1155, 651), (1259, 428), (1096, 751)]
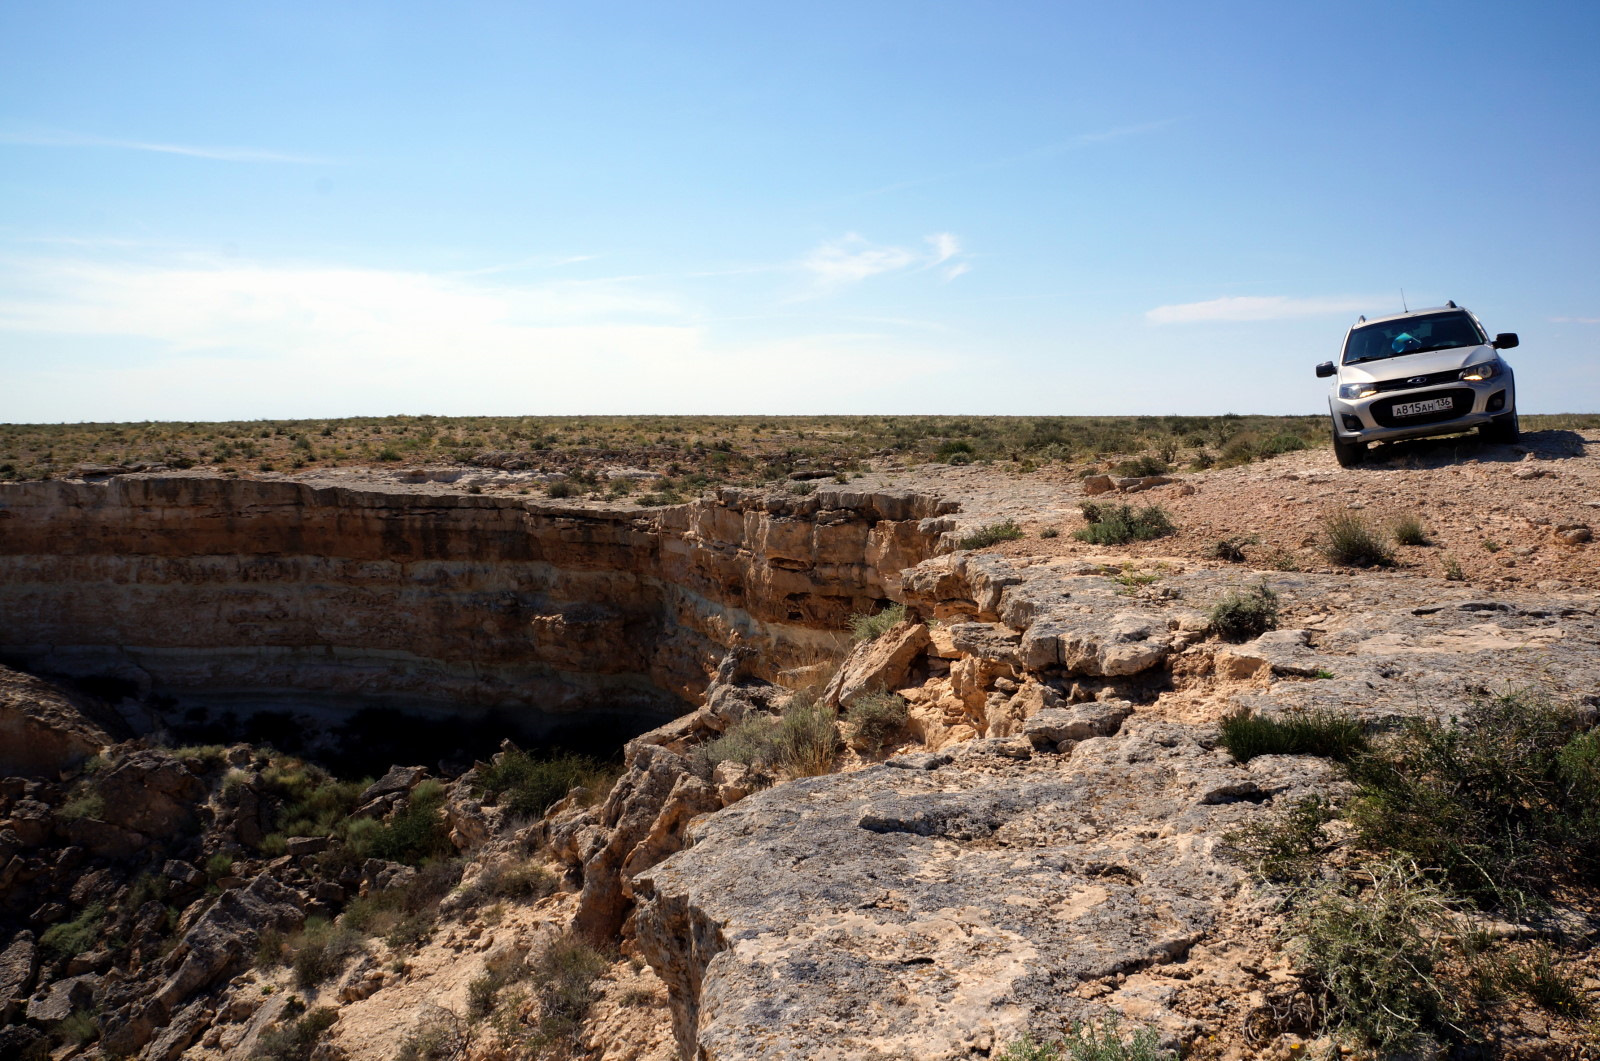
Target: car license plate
[(1436, 405)]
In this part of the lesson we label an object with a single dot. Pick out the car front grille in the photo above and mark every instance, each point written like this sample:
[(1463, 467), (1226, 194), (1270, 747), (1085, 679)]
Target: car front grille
[(1460, 405), (1406, 383)]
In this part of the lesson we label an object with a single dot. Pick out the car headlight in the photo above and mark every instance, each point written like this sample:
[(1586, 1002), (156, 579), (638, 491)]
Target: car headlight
[(1487, 370), (1357, 390)]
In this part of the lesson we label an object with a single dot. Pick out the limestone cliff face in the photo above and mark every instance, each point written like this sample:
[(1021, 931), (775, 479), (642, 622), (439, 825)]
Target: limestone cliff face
[(239, 590)]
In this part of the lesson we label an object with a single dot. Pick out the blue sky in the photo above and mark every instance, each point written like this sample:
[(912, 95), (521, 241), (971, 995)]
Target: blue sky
[(247, 210)]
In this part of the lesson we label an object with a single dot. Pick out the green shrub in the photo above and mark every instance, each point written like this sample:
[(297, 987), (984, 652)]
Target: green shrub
[(306, 799), (1120, 524), (1141, 466), (1282, 442), (413, 835), (560, 488), (1349, 541), (505, 880), (564, 972), (528, 786), (1230, 550), (802, 742), (1498, 801), (1091, 1041), (1242, 616), (85, 802), (875, 719), (439, 1037), (294, 1040), (321, 950), (948, 450), (76, 936), (808, 738), (750, 742), (993, 534), (271, 949), (405, 915), (865, 627), (80, 1027), (1407, 529), (1246, 735), (1375, 954), (205, 757), (1050, 532), (499, 972), (1290, 847), (1534, 974)]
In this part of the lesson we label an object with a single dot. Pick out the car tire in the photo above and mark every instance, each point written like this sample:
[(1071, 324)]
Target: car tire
[(1502, 429), (1348, 454)]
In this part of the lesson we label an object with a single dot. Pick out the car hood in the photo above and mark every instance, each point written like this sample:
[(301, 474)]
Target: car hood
[(1422, 364)]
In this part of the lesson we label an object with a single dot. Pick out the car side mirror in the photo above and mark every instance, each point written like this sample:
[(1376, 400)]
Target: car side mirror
[(1505, 341), (1326, 369)]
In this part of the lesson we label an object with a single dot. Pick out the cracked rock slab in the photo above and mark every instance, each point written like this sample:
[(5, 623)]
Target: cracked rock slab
[(895, 913)]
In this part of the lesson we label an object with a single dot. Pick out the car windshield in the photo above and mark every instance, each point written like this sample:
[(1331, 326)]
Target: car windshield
[(1412, 335)]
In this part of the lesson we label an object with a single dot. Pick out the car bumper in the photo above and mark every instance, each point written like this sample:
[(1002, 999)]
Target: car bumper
[(1372, 419)]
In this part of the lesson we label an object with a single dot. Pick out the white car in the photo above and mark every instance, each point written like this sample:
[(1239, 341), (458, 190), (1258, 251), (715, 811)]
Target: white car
[(1425, 372)]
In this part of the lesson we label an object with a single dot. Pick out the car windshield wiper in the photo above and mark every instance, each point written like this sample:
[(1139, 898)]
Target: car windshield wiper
[(1374, 357)]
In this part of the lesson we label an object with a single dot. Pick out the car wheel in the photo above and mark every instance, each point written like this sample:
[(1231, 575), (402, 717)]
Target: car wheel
[(1502, 429), (1348, 454)]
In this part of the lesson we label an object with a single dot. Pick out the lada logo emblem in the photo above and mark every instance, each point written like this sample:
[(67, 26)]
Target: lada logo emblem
[(1417, 379)]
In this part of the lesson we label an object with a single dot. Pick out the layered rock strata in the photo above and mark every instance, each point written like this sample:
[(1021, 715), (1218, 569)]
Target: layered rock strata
[(254, 593)]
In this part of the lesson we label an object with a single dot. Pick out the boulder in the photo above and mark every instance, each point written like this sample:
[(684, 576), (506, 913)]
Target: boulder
[(44, 729), (879, 665), (104, 839), (398, 781), (58, 1002), (18, 964), (31, 820), (1097, 484), (627, 818), (225, 935), (150, 792), (298, 846), (1078, 722), (174, 1039), (992, 641)]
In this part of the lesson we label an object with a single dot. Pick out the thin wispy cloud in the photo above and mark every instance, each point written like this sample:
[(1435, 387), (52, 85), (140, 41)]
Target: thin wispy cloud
[(852, 258), (214, 153), (1254, 308), (528, 263), (1120, 133), (945, 247)]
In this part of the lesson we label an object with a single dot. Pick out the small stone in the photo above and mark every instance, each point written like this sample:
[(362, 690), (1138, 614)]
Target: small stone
[(918, 761), (1098, 484)]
